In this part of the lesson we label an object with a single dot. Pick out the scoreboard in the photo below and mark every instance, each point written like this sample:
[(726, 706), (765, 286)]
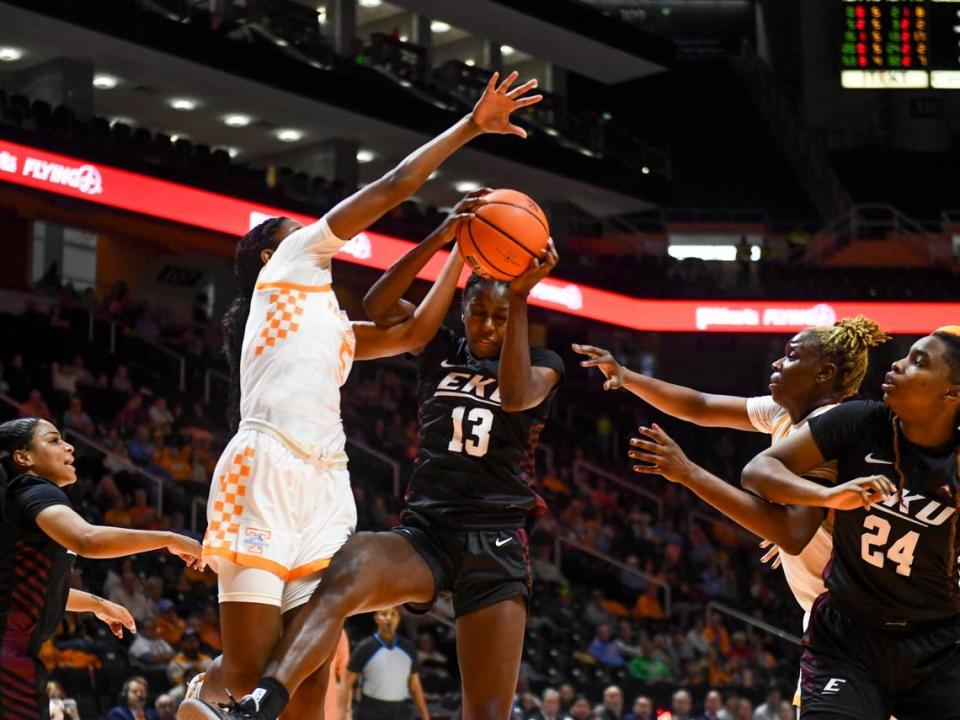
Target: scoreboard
[(905, 44)]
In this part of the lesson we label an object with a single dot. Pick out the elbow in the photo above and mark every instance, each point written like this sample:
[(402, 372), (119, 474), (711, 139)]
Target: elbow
[(750, 477), (792, 544), (511, 404), (83, 543)]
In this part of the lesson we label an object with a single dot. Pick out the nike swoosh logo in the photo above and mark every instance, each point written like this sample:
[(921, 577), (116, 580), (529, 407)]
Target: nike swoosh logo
[(445, 364), (501, 543), (876, 461)]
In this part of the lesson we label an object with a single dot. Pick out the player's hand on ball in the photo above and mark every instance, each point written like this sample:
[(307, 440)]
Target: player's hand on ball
[(492, 112), (859, 493), (463, 210), (538, 270), (660, 455), (605, 362)]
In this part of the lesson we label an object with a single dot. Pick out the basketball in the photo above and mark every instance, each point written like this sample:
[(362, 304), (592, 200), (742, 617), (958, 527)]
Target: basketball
[(507, 231)]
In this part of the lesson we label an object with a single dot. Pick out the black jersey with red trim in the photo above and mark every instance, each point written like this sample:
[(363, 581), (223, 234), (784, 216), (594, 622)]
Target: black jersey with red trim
[(892, 562), (34, 570), (475, 461)]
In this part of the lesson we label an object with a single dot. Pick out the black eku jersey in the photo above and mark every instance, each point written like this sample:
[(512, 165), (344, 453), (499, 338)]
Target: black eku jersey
[(892, 562), (475, 461), (34, 570)]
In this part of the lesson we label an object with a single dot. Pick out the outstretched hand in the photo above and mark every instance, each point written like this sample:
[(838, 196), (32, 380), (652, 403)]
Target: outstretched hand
[(605, 362), (659, 454), (492, 112)]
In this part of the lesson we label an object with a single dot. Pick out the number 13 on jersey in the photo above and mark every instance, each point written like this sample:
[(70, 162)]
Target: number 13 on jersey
[(479, 422)]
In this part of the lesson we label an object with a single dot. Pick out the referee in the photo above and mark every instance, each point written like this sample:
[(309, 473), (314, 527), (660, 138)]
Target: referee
[(386, 667)]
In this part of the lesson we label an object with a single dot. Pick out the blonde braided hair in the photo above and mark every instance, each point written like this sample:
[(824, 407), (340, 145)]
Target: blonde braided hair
[(846, 343)]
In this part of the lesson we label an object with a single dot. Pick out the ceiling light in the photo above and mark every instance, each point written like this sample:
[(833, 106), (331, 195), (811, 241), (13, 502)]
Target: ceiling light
[(439, 26), (404, 38), (10, 54), (553, 132), (465, 186), (645, 170), (121, 120), (281, 42), (237, 120), (470, 61), (289, 135), (185, 104), (322, 15), (180, 136), (102, 81), (365, 156), (231, 151), (370, 3), (506, 50)]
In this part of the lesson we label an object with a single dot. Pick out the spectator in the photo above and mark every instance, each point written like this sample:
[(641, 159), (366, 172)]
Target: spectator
[(771, 705), (648, 604), (613, 703), (119, 514), (61, 707), (130, 595), (697, 638), (642, 709), (681, 706), (786, 711), (142, 516), (131, 414), (17, 378), (567, 696), (141, 448), (604, 648), (189, 659), (744, 710), (717, 636), (170, 625), (35, 406), (107, 492), (76, 418), (580, 708), (209, 628), (121, 380), (712, 706), (165, 707), (133, 702), (160, 416), (549, 706), (149, 650)]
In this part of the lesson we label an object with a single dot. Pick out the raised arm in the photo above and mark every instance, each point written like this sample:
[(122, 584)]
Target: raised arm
[(775, 474), (412, 334), (789, 527), (677, 401), (384, 301), (523, 386), (63, 525), (490, 115)]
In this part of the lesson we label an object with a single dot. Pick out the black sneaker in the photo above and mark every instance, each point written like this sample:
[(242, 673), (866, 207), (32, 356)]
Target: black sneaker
[(196, 709)]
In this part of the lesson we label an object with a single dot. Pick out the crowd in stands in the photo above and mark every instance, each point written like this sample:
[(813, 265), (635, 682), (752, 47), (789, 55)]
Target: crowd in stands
[(594, 623)]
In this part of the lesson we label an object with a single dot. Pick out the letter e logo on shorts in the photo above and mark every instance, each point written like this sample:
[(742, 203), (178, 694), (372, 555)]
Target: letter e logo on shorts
[(255, 541), (833, 686)]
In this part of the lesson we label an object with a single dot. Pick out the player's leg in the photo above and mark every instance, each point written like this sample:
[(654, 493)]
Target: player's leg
[(308, 702), (489, 649), (929, 676), (250, 624)]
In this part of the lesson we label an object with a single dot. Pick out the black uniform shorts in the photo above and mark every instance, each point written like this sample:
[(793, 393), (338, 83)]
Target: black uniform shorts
[(852, 669), (479, 567)]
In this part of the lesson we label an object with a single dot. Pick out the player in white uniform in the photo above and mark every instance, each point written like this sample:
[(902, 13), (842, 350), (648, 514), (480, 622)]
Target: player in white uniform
[(821, 368), (280, 500)]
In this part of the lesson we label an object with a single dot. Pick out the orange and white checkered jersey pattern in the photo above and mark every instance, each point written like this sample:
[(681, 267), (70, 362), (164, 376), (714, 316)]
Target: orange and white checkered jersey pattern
[(804, 572), (298, 344)]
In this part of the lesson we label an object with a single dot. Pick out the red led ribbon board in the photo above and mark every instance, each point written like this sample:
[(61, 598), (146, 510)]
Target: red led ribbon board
[(124, 190)]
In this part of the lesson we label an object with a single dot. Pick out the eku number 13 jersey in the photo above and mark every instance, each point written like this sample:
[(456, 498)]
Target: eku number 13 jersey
[(475, 461)]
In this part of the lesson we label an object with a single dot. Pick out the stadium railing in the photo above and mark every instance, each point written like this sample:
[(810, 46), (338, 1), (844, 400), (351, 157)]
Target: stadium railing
[(752, 621)]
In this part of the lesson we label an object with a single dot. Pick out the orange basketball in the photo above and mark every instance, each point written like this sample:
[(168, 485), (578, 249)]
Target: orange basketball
[(507, 231)]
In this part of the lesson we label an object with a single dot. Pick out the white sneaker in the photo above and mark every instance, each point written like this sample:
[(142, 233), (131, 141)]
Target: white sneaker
[(194, 687)]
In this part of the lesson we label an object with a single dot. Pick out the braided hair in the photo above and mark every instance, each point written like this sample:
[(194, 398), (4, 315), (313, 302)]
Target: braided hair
[(845, 344), (247, 265), (14, 435), (949, 336)]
